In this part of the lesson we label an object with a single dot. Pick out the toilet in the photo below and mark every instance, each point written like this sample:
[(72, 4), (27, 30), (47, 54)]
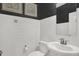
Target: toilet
[(42, 50), (36, 53)]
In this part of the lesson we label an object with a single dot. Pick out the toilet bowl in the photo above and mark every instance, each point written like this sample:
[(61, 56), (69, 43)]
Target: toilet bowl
[(42, 50), (36, 53)]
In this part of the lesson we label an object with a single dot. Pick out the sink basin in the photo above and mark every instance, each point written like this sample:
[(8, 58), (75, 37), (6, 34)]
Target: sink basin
[(63, 48), (57, 49)]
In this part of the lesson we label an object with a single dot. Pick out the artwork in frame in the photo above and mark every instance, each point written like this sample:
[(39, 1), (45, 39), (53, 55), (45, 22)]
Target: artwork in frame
[(13, 7), (30, 9)]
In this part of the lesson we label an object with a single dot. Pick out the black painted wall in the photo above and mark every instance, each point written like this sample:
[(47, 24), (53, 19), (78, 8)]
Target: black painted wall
[(63, 12), (46, 10), (77, 5), (62, 15)]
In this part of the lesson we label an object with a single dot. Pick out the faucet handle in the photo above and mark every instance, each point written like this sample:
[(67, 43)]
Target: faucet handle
[(63, 41)]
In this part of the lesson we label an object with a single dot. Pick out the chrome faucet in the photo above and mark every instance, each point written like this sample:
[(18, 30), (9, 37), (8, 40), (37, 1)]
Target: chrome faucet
[(63, 41)]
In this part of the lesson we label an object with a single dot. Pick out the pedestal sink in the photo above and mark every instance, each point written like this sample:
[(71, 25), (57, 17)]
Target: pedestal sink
[(55, 48)]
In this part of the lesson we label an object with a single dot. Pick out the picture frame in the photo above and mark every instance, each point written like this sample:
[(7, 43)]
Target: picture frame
[(13, 7), (30, 9)]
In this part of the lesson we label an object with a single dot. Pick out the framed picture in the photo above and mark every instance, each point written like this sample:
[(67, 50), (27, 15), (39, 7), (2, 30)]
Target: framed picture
[(13, 7), (30, 9)]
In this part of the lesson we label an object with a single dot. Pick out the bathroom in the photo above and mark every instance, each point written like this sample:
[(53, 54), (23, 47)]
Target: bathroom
[(39, 29)]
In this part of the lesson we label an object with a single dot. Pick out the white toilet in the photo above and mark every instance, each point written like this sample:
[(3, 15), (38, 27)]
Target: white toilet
[(36, 53), (42, 50)]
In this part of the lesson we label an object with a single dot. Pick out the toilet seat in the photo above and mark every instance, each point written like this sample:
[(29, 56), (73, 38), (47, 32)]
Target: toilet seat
[(36, 53)]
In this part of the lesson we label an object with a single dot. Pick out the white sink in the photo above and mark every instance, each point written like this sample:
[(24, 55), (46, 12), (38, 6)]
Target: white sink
[(57, 49), (63, 48)]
